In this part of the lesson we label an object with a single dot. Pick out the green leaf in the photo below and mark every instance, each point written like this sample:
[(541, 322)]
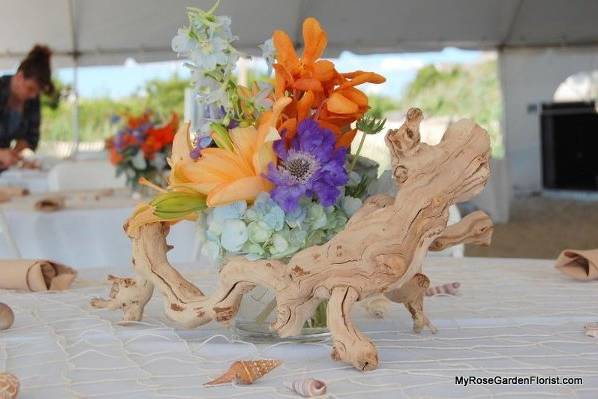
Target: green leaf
[(369, 124)]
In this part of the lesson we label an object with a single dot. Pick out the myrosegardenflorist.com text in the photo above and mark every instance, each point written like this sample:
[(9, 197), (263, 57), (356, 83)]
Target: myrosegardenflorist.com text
[(528, 380)]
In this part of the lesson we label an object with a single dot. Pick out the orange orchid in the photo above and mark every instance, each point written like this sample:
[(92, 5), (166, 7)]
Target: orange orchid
[(315, 85)]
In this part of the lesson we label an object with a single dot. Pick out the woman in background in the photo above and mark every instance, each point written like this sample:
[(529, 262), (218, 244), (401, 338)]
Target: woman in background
[(20, 104)]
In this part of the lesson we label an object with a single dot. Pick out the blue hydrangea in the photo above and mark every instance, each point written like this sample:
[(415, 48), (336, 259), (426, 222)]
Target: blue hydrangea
[(264, 230)]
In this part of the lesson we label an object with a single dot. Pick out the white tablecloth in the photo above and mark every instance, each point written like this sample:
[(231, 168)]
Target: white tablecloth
[(36, 181), (87, 233), (513, 318)]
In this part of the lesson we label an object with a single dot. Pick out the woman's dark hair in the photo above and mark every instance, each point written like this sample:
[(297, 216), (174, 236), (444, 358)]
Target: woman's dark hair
[(37, 66)]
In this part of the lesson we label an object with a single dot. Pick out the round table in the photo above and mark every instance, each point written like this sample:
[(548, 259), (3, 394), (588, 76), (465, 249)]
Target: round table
[(87, 233), (513, 318), (34, 180)]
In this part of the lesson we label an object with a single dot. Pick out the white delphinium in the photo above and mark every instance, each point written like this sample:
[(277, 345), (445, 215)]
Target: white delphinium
[(207, 43), (211, 57), (269, 53)]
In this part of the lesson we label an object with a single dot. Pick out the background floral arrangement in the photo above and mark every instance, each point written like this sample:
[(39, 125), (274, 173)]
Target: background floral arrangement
[(139, 149)]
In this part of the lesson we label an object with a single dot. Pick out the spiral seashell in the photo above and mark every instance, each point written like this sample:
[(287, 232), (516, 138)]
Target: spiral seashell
[(246, 371), (591, 329), (9, 386), (444, 289), (308, 387), (7, 317)]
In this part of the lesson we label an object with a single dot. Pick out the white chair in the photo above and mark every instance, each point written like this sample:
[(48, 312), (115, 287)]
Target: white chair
[(84, 175)]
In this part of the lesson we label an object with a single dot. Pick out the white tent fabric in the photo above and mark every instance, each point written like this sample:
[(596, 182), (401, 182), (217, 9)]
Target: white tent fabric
[(109, 31)]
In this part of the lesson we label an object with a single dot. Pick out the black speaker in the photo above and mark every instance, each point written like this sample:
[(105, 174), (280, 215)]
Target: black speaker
[(569, 133)]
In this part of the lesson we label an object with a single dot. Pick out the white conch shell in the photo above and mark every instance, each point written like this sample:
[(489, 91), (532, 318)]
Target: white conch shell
[(308, 387), (9, 386)]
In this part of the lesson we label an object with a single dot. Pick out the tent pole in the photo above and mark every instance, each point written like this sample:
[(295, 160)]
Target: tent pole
[(75, 104), (75, 113)]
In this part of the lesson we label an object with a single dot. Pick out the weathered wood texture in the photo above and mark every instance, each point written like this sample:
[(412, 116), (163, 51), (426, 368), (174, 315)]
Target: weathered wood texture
[(380, 250)]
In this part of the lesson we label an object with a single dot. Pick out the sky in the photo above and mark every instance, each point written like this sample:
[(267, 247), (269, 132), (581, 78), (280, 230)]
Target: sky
[(399, 69)]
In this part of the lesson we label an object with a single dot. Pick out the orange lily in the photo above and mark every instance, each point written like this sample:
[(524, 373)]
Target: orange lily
[(145, 213), (223, 175), (315, 85)]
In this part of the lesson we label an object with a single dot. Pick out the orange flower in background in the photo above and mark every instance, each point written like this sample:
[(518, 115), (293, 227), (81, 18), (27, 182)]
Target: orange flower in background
[(133, 122), (115, 156), (315, 85), (164, 135), (159, 137), (150, 147)]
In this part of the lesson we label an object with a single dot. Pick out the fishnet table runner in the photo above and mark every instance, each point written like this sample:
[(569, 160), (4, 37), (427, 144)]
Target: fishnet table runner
[(512, 318)]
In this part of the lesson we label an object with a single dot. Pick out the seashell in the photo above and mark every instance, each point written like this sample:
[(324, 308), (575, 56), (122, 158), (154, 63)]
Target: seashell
[(377, 307), (7, 317), (444, 289), (591, 329), (308, 387), (246, 371), (9, 386)]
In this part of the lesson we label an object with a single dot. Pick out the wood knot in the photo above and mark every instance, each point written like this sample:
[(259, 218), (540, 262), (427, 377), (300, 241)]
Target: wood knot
[(414, 113), (422, 280), (128, 282), (339, 250), (224, 314), (298, 271), (401, 173), (176, 307)]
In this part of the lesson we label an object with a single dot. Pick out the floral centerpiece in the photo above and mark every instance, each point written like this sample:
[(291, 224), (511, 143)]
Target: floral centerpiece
[(139, 149), (269, 171)]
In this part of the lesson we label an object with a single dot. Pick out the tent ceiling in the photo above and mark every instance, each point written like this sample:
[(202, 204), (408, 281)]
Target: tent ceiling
[(109, 31)]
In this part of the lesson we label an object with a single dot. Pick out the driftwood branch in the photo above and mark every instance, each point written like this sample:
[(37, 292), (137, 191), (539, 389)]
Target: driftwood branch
[(380, 250), (475, 228)]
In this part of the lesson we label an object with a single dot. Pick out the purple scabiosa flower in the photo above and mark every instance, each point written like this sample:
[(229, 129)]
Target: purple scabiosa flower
[(311, 167)]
